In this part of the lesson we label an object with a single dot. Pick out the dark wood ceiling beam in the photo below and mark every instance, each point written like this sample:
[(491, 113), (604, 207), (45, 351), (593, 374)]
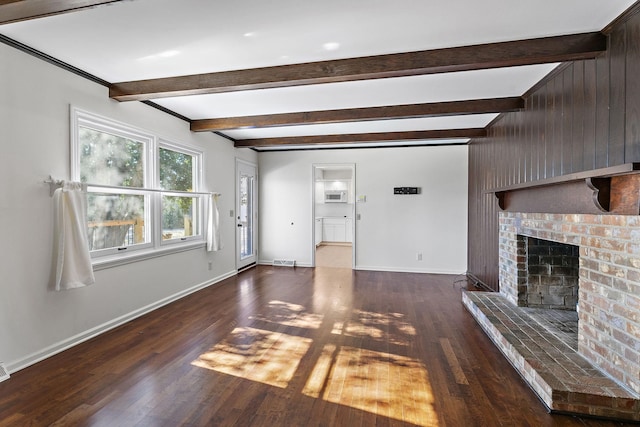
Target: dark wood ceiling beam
[(23, 10), (364, 137), (473, 106), (464, 58)]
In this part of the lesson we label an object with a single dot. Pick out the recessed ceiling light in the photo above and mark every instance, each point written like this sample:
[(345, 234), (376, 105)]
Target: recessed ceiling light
[(165, 54), (249, 34), (331, 46), (168, 53)]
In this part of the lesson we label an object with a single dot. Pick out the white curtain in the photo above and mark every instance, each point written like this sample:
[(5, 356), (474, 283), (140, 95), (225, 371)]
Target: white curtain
[(72, 261), (213, 224)]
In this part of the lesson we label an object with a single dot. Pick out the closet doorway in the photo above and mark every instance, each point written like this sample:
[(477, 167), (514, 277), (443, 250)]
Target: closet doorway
[(333, 215)]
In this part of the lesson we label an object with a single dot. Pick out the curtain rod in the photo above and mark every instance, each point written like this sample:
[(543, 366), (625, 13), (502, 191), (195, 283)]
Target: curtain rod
[(57, 183)]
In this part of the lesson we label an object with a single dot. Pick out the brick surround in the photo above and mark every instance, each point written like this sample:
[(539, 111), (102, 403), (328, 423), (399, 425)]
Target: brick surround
[(609, 281)]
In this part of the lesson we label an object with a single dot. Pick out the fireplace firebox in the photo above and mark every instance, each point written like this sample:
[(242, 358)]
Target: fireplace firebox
[(551, 273)]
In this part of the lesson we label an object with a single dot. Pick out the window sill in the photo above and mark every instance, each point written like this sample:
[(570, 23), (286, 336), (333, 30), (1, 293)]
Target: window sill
[(106, 262)]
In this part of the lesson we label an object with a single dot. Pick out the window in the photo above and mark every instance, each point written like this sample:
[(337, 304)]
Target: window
[(180, 212), (142, 191)]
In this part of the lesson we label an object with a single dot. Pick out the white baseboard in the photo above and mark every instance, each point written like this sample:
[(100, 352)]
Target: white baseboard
[(100, 329), (270, 262), (381, 268), (408, 270)]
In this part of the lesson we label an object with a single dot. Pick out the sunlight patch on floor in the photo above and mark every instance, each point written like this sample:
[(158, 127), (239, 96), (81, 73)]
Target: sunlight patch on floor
[(257, 355), (288, 314), (387, 327), (381, 383)]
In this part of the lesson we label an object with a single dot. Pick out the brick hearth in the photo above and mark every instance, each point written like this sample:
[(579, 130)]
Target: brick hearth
[(545, 355), (608, 296)]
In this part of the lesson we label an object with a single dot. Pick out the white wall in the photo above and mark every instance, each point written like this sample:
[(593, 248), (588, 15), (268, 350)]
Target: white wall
[(34, 133), (393, 228)]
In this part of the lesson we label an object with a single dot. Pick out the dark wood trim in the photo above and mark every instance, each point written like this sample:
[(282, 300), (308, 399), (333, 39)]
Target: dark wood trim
[(23, 10), (166, 110), (625, 194), (589, 192), (478, 283), (51, 60), (363, 137), (463, 58), (225, 136), (356, 147), (624, 16), (619, 195), (588, 196), (472, 106), (546, 79), (601, 196), (595, 173), (70, 68)]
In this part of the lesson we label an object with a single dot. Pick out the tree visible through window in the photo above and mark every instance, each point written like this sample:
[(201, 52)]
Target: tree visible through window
[(118, 164), (115, 219), (177, 174)]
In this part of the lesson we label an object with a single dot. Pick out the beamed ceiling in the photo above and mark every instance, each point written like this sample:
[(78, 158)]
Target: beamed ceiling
[(287, 74)]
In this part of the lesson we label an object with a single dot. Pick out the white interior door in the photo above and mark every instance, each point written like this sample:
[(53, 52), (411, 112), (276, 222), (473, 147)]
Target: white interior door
[(246, 214)]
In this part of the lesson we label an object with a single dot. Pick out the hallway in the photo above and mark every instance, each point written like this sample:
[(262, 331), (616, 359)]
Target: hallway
[(336, 255)]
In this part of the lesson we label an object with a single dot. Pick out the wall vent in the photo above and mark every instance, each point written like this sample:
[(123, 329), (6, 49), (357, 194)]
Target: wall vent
[(4, 374), (284, 262)]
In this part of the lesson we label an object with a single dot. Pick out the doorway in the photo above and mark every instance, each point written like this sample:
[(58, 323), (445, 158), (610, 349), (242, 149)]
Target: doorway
[(246, 214), (333, 215)]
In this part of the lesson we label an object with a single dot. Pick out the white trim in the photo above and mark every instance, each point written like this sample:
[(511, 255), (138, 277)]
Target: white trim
[(107, 257), (63, 345), (115, 261), (196, 154), (103, 124), (409, 270), (270, 263), (352, 191), (240, 264)]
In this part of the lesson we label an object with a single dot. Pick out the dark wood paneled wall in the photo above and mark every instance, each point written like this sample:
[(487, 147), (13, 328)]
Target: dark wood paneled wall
[(583, 116)]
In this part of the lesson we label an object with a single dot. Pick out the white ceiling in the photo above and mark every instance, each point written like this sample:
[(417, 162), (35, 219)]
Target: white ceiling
[(142, 39)]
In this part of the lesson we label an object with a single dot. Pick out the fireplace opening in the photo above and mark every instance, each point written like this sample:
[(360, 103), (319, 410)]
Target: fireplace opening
[(552, 272)]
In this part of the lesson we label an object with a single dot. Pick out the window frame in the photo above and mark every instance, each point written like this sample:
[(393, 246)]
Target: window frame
[(197, 181), (154, 245)]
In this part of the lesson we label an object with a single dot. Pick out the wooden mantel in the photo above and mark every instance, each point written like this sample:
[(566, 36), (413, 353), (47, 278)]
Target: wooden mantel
[(614, 190)]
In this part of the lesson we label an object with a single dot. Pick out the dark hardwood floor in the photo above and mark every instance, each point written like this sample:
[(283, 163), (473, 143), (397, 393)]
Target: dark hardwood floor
[(287, 347)]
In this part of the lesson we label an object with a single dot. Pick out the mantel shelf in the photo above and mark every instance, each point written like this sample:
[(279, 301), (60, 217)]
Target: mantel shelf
[(607, 194), (578, 176)]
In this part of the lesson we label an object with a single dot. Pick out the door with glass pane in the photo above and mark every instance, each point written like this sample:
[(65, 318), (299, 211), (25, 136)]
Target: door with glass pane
[(246, 214)]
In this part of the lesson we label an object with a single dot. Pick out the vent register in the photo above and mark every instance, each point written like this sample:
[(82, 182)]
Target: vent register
[(4, 374)]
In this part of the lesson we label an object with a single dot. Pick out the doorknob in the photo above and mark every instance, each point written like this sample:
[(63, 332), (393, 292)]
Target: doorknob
[(239, 225)]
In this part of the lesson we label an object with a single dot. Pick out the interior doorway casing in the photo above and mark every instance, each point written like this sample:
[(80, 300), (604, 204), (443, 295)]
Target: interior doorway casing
[(316, 198)]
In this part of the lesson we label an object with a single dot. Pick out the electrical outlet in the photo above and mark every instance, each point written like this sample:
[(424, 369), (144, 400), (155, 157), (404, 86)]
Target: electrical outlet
[(210, 265), (419, 256)]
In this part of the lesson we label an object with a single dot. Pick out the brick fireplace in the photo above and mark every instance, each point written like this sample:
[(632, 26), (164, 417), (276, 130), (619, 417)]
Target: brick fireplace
[(608, 297)]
